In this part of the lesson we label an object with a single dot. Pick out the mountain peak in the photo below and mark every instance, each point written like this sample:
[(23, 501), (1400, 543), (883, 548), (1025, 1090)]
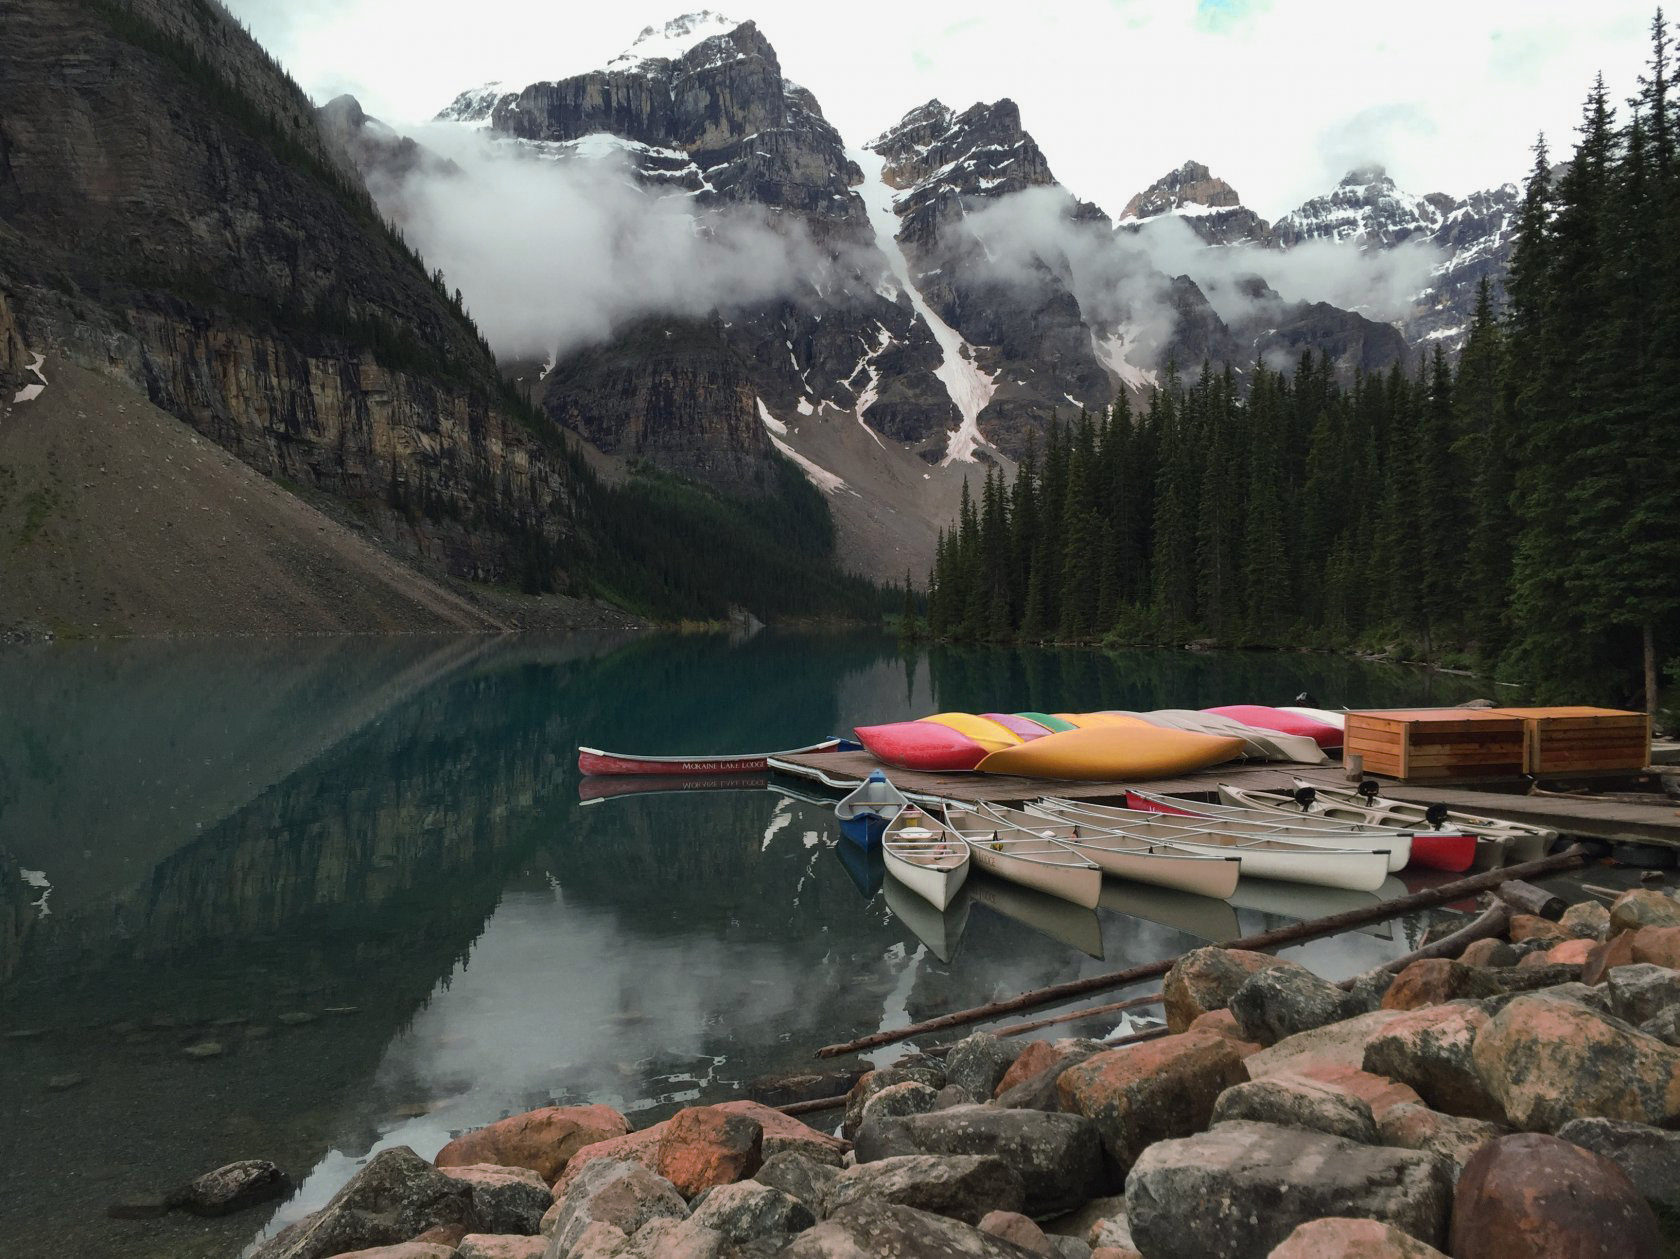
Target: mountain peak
[(1363, 176), (675, 38), (1190, 185)]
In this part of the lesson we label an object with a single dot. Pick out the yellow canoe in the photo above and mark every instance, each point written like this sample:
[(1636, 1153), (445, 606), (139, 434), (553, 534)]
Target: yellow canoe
[(1097, 721), (987, 733), (1110, 753)]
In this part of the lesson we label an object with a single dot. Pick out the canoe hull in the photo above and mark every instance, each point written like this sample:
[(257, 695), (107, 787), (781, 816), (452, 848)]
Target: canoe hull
[(1080, 884), (1107, 753), (1216, 878)]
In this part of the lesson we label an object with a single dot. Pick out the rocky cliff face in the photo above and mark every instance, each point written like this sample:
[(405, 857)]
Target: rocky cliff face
[(187, 228), (1208, 205)]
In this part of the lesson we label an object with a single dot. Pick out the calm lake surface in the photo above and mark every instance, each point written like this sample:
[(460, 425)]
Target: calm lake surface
[(363, 870)]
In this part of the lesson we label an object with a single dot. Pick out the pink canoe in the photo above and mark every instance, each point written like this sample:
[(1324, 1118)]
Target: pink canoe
[(1326, 736)]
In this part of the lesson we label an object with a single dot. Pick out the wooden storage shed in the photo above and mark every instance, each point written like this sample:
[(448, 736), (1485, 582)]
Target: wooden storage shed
[(1424, 744), (1583, 740)]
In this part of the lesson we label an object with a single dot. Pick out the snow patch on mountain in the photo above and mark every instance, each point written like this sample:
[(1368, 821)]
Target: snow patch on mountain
[(969, 387), (475, 105), (675, 39), (1111, 353), (818, 476)]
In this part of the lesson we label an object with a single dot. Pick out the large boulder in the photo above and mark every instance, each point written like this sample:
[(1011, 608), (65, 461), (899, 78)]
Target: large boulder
[(1279, 1001), (799, 1176), (1059, 1156), (230, 1188), (1641, 991), (784, 1133), (1335, 1044), (1643, 907), (1650, 1156), (1140, 1094), (976, 1063), (609, 1191), (1531, 1194), (1435, 980), (703, 1146), (634, 1147), (1299, 1102), (870, 1230), (911, 1097), (396, 1196), (1030, 1082), (1429, 1049), (1206, 979), (542, 1140), (752, 1212), (1416, 1127), (505, 1199), (962, 1186), (1352, 1239), (1239, 1189), (872, 1082), (1547, 1062), (678, 1239), (1587, 920)]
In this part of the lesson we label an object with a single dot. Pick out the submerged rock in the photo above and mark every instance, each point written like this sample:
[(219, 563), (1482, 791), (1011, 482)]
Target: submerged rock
[(231, 1188)]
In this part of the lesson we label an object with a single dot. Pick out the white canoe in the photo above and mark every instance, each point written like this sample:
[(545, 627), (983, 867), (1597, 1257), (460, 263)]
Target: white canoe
[(1393, 844), (1516, 841), (924, 856), (1032, 860), (1258, 744), (940, 929), (1128, 858), (1300, 828), (1357, 869)]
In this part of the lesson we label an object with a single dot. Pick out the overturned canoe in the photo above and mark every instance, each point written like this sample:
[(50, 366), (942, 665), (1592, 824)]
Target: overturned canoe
[(1283, 721), (1109, 753), (1258, 744)]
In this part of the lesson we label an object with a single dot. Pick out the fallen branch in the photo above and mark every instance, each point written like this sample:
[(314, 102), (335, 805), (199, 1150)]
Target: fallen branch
[(814, 1105), (1528, 899), (1334, 924), (1017, 1029)]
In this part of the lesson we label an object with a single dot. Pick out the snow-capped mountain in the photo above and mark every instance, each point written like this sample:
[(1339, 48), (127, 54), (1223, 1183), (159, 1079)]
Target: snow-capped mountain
[(1209, 206)]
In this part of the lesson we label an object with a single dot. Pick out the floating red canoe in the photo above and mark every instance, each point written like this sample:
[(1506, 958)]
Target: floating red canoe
[(595, 761), (1434, 851)]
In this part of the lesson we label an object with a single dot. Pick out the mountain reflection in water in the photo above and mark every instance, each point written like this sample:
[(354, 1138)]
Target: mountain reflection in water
[(361, 872)]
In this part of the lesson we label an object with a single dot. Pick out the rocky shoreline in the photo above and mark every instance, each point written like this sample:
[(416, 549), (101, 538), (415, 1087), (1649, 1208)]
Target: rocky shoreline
[(1515, 1101)]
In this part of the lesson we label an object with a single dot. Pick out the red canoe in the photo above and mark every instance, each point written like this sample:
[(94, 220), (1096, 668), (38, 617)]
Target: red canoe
[(595, 761)]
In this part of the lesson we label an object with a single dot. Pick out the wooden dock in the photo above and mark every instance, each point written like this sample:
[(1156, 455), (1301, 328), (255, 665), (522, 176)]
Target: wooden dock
[(1617, 821)]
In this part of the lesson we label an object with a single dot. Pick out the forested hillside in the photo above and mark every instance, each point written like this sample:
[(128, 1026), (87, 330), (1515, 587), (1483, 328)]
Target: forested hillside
[(1520, 510)]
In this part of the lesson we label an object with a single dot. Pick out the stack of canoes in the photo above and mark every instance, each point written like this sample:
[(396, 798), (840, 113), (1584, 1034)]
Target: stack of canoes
[(1099, 746)]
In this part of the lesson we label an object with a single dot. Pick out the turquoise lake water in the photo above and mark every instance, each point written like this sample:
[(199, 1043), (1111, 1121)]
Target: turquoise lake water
[(363, 870)]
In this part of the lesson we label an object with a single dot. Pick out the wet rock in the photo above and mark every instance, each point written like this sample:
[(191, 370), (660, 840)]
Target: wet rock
[(1488, 953), (1525, 927), (1649, 1156), (1239, 1189), (799, 1176), (1301, 1103), (1643, 907), (976, 1063), (873, 1082), (752, 1212), (1352, 1239), (1031, 1084), (1531, 1194), (1058, 1156), (1012, 1226), (784, 1133), (1206, 979), (1587, 920), (542, 1140), (1336, 1044), (1547, 1062), (1140, 1094), (502, 1246), (505, 1199), (962, 1186), (1641, 991), (784, 1090), (1279, 1001), (870, 1230), (69, 1080), (896, 1100), (625, 1195), (703, 1146), (1429, 1050), (234, 1187), (1453, 1138), (205, 1049), (296, 1018), (396, 1196)]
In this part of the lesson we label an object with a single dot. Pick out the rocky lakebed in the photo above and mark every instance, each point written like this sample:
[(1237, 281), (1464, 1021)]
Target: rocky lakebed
[(1514, 1101)]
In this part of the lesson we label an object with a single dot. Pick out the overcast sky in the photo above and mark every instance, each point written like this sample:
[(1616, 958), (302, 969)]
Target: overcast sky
[(1278, 97)]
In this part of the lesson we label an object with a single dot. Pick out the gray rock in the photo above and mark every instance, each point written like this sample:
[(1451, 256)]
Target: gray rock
[(505, 1199), (1365, 992), (1069, 1248), (874, 1081), (1665, 1027), (911, 1097), (1301, 1103), (953, 1095), (1039, 1092), (749, 1211), (799, 1176), (398, 1195), (962, 1186), (1594, 998), (1411, 1126), (1237, 1190), (1059, 1157), (625, 1195), (1283, 1000), (1587, 920), (1640, 992), (1650, 1156), (976, 1063), (232, 1188), (681, 1239), (871, 1230)]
